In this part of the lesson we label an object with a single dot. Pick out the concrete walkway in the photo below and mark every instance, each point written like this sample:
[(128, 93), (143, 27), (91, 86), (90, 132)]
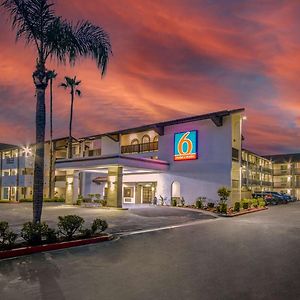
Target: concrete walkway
[(133, 219)]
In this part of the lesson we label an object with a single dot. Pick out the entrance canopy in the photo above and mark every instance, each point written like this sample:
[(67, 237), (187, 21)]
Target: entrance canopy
[(130, 164)]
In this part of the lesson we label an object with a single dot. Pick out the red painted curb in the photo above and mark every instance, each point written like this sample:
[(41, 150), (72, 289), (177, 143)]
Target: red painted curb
[(243, 213), (55, 246)]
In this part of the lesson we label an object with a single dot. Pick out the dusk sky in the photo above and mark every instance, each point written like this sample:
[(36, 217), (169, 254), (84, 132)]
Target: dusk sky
[(172, 58)]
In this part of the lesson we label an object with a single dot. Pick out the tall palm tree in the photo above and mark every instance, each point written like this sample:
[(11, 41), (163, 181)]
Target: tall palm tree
[(52, 37), (51, 75), (72, 84)]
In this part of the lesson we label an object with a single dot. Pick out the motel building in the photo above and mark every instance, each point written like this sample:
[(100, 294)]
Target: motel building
[(183, 158), (187, 158)]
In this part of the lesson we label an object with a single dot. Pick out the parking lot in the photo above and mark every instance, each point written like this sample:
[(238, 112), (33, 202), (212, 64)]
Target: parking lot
[(138, 218)]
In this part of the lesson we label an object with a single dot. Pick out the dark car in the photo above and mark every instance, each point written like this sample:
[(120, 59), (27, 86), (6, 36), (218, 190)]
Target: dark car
[(288, 197), (273, 198)]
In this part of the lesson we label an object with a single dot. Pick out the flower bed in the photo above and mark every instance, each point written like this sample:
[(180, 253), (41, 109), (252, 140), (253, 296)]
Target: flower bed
[(243, 212), (39, 237)]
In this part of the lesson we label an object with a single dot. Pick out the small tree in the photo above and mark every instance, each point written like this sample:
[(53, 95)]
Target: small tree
[(223, 193)]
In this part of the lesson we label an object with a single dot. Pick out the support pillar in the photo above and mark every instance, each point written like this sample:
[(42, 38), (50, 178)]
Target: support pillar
[(114, 186), (72, 187)]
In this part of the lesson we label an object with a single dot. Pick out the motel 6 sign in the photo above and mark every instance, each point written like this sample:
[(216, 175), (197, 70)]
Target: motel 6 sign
[(186, 145)]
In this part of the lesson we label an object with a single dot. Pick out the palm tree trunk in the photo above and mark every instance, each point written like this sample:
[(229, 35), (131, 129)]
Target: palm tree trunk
[(51, 187), (70, 125), (40, 81)]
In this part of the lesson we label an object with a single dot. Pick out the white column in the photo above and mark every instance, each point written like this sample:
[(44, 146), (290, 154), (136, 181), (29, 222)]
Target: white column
[(72, 187), (114, 186)]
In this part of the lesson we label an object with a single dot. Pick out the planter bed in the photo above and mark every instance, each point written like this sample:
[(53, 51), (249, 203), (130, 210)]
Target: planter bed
[(54, 246), (243, 212)]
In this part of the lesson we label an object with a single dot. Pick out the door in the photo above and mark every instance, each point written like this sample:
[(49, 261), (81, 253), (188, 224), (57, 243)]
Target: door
[(147, 194)]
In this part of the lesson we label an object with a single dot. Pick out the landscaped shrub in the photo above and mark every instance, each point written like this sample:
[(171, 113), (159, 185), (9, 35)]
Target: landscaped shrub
[(173, 201), (237, 206), (223, 193), (69, 225), (7, 237), (33, 233), (55, 199), (199, 203), (98, 226), (103, 202), (86, 232), (211, 204), (261, 202), (254, 203), (51, 236), (222, 208), (182, 201), (245, 203)]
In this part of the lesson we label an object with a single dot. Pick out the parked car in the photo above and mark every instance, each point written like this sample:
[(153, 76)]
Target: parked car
[(273, 198), (288, 197)]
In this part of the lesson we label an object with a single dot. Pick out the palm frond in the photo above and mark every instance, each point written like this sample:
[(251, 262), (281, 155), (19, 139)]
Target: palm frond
[(78, 92), (64, 85), (93, 42), (30, 18)]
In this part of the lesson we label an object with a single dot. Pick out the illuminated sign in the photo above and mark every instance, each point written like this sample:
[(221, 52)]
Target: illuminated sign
[(185, 145)]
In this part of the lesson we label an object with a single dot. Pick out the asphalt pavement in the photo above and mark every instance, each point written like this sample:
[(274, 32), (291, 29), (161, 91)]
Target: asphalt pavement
[(254, 256)]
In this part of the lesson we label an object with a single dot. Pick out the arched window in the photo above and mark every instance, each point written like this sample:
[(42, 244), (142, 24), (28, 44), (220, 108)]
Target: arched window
[(135, 142), (155, 139), (145, 139)]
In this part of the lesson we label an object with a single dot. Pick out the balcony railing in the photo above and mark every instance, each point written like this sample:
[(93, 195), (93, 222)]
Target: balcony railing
[(282, 185), (255, 182), (139, 148)]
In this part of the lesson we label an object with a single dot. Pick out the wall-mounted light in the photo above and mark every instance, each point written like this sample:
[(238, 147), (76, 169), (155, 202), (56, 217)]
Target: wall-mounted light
[(26, 150), (244, 118)]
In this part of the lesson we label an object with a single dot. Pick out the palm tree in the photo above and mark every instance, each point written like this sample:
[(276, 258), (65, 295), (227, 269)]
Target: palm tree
[(51, 75), (72, 84), (52, 37)]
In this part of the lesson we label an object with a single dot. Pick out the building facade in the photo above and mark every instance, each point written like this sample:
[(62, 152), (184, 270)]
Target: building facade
[(184, 158), (286, 173)]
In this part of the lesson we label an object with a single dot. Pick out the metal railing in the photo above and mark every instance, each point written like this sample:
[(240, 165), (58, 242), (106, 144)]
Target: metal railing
[(139, 148)]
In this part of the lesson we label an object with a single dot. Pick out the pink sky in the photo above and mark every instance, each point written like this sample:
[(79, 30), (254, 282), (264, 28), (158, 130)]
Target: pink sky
[(171, 59)]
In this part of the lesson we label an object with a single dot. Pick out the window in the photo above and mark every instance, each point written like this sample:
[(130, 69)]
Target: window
[(128, 192), (135, 142), (145, 139), (155, 139)]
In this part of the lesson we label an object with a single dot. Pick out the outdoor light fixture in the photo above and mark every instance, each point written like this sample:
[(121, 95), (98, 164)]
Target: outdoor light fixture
[(26, 150), (244, 118)]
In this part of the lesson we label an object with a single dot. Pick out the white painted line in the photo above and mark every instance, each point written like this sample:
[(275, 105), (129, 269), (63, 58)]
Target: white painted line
[(166, 227)]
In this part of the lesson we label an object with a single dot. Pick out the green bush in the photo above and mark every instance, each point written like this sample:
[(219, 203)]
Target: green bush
[(211, 204), (69, 225), (182, 201), (173, 201), (223, 193), (98, 226), (7, 237), (103, 202), (261, 202), (51, 236), (237, 206), (55, 199), (222, 208), (33, 233), (245, 203), (25, 200), (86, 233), (254, 203), (199, 203)]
